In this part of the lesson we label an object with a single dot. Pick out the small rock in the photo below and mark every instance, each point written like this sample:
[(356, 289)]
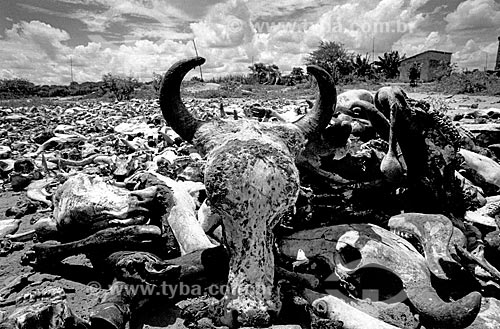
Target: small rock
[(43, 136), (5, 152), (6, 166), (19, 181), (489, 315), (24, 166)]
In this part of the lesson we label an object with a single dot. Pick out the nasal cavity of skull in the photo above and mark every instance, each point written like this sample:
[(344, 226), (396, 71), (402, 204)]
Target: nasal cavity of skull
[(349, 256)]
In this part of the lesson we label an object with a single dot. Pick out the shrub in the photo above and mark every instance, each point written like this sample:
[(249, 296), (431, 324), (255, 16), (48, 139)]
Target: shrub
[(119, 86), (470, 83)]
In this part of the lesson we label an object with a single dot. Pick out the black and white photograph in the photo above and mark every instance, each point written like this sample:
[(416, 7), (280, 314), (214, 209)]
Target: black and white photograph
[(225, 164)]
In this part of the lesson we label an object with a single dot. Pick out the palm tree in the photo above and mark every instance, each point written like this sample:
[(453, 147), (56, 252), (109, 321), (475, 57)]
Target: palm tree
[(361, 66), (389, 64)]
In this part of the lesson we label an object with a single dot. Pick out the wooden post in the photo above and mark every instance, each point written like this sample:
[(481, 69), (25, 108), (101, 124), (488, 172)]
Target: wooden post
[(196, 50)]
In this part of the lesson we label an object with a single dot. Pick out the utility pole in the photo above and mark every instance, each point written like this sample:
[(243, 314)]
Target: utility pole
[(486, 66), (373, 49), (71, 67), (196, 51)]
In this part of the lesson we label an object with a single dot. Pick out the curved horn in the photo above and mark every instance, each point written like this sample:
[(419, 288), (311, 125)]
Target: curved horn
[(319, 117), (173, 109)]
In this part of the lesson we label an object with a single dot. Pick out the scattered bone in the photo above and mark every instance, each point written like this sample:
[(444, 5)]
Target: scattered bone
[(5, 152), (36, 191), (59, 139), (437, 236), (9, 226), (108, 240), (484, 166), (83, 202), (377, 247), (182, 214), (487, 214), (336, 309)]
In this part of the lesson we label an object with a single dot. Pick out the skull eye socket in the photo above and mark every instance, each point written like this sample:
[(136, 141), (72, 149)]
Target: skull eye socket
[(349, 256)]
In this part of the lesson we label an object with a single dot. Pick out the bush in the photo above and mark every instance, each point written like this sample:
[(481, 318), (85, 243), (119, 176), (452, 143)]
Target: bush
[(119, 86), (414, 73), (470, 83), (16, 88)]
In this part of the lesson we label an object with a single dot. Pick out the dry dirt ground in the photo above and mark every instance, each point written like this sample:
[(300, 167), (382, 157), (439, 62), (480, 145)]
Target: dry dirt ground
[(74, 278)]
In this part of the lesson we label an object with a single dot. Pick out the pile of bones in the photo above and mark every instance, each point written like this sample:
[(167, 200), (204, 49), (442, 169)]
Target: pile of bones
[(364, 211)]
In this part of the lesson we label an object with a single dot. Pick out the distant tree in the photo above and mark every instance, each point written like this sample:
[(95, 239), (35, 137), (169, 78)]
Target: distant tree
[(265, 74), (157, 81), (121, 87), (414, 73), (273, 75), (296, 76), (333, 57), (362, 67), (17, 87), (389, 64), (258, 72)]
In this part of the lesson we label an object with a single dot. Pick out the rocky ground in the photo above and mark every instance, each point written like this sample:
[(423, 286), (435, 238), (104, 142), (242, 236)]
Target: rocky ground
[(99, 127)]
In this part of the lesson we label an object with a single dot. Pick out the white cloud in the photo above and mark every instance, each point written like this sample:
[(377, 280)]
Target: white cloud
[(226, 25), (356, 24), (35, 50), (231, 34), (474, 14), (412, 44), (37, 34), (474, 55)]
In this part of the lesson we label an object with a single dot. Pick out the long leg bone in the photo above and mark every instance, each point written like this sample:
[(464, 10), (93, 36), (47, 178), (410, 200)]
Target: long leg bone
[(108, 240)]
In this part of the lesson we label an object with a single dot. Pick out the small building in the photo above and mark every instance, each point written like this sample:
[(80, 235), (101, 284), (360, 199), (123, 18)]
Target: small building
[(433, 64)]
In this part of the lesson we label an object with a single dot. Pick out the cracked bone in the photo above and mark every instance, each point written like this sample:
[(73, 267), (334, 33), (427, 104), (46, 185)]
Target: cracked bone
[(351, 248), (251, 180)]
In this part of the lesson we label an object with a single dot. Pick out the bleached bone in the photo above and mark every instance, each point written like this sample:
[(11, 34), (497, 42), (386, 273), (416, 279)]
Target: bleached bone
[(352, 318), (84, 201), (57, 140), (182, 217), (36, 190), (483, 166)]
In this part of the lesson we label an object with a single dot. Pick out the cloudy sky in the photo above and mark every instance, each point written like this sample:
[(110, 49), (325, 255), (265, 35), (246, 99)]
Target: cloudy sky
[(139, 37)]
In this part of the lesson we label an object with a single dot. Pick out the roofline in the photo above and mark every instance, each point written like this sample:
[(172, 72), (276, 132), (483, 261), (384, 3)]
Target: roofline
[(427, 51)]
